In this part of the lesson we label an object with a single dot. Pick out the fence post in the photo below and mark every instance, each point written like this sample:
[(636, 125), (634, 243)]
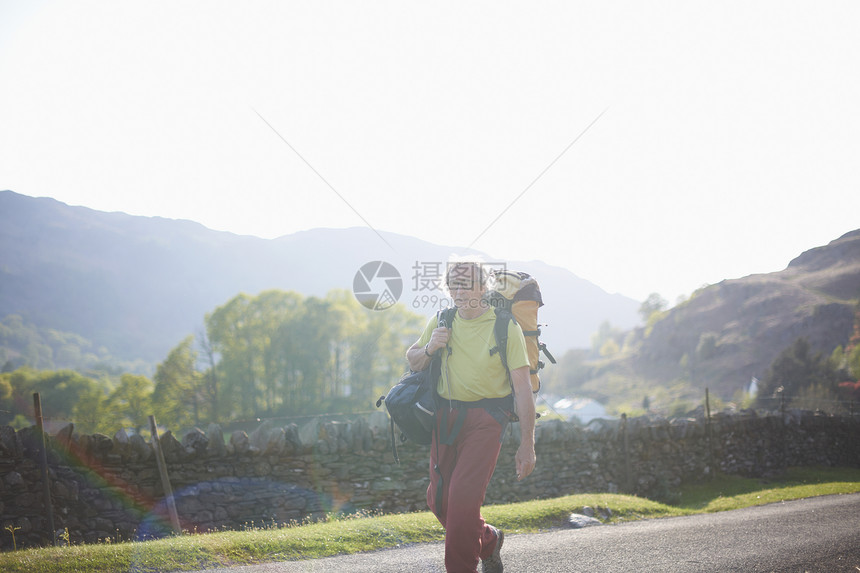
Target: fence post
[(628, 482), (784, 426), (709, 432), (165, 479), (43, 463), (781, 391)]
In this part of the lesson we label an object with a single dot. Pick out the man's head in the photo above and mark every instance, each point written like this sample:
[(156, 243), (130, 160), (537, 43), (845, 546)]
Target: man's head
[(466, 283)]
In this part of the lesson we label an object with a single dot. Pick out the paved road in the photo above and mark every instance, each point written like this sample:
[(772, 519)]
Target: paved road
[(817, 534)]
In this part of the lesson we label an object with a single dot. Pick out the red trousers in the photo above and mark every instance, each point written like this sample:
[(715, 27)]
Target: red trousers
[(465, 468)]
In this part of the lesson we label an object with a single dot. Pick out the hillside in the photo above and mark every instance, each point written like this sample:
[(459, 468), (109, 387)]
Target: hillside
[(732, 331), (138, 285)]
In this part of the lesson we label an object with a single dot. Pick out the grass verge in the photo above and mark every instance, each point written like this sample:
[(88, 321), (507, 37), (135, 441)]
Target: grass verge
[(354, 534)]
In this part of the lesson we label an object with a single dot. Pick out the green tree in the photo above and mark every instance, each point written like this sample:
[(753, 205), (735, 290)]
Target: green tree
[(131, 401), (852, 362), (257, 339), (211, 380), (818, 396), (609, 348), (848, 358), (796, 369), (6, 402), (314, 353), (234, 333), (707, 347), (279, 353), (377, 350), (59, 391), (5, 387), (651, 305), (604, 334), (179, 396), (93, 413)]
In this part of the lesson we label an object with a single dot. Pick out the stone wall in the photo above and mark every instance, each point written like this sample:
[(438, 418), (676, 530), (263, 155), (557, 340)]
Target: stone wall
[(110, 488)]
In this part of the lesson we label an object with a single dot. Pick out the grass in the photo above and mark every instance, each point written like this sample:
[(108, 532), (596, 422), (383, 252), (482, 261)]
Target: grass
[(351, 534)]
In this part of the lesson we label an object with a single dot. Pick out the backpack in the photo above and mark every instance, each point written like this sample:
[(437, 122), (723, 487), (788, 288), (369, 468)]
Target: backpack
[(517, 296), (411, 403)]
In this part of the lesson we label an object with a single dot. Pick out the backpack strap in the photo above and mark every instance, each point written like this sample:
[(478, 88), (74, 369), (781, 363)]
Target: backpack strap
[(447, 316), (394, 443), (440, 428), (446, 436), (500, 331), (546, 352)]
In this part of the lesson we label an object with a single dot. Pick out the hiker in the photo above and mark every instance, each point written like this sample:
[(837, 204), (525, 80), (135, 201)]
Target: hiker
[(475, 403)]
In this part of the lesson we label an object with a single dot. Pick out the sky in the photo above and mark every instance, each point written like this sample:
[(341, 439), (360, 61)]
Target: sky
[(645, 146)]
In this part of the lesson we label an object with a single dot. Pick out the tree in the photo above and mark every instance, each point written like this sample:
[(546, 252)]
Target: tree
[(652, 305), (707, 347), (179, 394), (609, 348), (795, 370), (236, 336), (279, 353), (44, 348), (131, 402), (93, 414), (605, 333), (377, 346), (311, 350), (5, 395), (60, 392), (210, 387), (849, 358)]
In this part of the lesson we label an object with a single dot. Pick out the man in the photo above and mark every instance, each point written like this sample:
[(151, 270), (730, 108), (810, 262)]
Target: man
[(475, 403)]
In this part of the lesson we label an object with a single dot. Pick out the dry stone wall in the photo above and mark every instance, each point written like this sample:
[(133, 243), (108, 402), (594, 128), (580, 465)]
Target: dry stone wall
[(110, 488)]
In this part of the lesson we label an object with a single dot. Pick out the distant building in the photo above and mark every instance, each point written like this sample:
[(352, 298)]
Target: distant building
[(582, 410)]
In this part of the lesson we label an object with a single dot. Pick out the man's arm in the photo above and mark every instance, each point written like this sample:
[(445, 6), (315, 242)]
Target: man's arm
[(418, 360), (417, 355), (525, 408)]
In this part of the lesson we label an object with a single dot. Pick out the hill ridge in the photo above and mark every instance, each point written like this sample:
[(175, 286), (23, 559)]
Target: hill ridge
[(748, 321), (139, 285)]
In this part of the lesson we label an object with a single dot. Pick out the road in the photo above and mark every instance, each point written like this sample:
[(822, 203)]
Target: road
[(816, 534)]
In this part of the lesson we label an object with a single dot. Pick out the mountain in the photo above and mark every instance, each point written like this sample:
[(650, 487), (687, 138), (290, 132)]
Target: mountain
[(138, 285), (732, 331)]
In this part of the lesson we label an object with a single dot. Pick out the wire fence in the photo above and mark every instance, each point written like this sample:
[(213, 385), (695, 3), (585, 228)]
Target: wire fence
[(27, 417), (780, 404), (834, 407)]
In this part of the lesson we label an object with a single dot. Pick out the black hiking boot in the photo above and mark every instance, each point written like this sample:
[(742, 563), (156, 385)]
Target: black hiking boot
[(493, 564)]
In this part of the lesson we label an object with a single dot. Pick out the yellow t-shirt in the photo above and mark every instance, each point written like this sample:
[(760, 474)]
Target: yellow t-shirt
[(469, 371)]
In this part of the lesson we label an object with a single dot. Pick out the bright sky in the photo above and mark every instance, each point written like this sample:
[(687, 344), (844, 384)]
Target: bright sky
[(727, 145)]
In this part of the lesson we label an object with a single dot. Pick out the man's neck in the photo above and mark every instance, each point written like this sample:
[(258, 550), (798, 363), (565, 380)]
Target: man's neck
[(470, 313)]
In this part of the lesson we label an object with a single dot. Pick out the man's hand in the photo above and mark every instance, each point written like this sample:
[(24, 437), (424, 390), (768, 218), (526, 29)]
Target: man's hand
[(526, 460), (419, 357), (438, 339), (525, 407)]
